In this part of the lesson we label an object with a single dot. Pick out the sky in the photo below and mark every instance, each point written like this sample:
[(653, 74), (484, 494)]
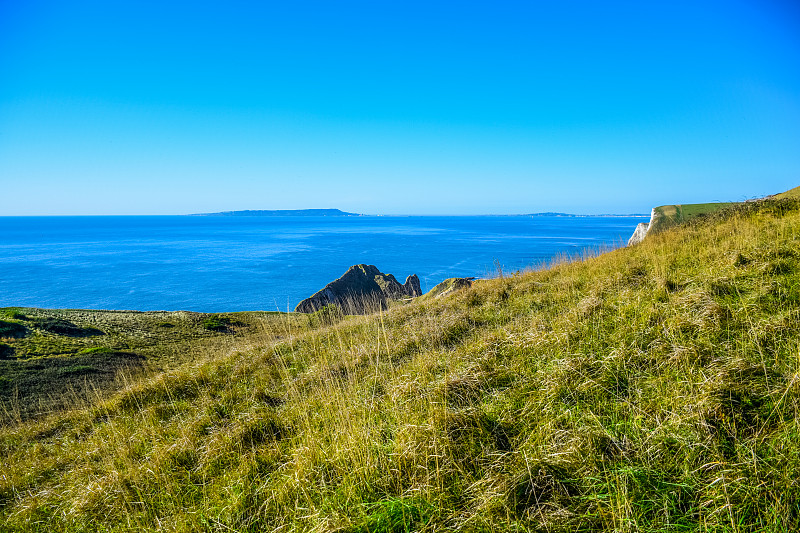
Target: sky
[(388, 107)]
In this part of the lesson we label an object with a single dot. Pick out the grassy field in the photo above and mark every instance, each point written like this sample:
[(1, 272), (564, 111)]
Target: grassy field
[(50, 359), (790, 194), (654, 388), (671, 215)]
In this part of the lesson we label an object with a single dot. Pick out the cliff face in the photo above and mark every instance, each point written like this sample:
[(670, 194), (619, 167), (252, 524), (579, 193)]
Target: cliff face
[(641, 229), (412, 286), (362, 289)]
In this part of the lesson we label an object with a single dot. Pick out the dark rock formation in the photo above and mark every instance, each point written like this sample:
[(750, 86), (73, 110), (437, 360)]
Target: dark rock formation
[(412, 286), (362, 289)]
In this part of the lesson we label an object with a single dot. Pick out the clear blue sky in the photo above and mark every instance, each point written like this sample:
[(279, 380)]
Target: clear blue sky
[(395, 107)]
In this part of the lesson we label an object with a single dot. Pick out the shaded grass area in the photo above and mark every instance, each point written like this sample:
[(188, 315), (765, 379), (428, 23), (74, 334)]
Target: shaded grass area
[(32, 386), (12, 329), (654, 388), (52, 359)]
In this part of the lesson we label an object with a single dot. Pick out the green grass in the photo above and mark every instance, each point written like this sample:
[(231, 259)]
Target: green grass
[(96, 349), (670, 215), (649, 389), (447, 287), (219, 323), (788, 195), (12, 329), (13, 313), (126, 345), (328, 315)]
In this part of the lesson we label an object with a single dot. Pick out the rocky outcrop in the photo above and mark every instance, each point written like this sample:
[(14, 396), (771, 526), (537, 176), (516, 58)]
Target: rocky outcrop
[(412, 286), (641, 230), (362, 289), (639, 233)]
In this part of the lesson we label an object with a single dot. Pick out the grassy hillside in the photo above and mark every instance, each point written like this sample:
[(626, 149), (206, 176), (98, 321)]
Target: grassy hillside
[(790, 194), (654, 388), (671, 215), (51, 359)]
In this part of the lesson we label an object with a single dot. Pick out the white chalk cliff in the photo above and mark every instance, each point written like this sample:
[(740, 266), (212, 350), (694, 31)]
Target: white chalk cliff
[(641, 230)]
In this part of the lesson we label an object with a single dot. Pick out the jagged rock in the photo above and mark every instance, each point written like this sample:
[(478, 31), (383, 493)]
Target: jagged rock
[(412, 286), (362, 289)]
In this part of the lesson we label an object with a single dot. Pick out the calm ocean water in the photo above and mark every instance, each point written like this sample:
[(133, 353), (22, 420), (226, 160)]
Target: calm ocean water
[(216, 264)]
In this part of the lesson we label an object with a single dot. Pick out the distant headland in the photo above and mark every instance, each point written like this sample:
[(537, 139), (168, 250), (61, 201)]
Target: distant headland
[(551, 214), (281, 213), (340, 213)]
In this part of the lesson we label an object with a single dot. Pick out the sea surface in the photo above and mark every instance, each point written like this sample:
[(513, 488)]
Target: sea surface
[(219, 264)]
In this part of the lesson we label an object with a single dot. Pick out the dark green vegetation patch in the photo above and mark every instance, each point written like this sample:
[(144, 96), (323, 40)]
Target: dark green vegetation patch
[(35, 386), (217, 323), (397, 515), (64, 358), (6, 351), (12, 329), (59, 326), (14, 314)]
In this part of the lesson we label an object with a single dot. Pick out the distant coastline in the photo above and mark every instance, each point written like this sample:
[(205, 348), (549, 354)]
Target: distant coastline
[(551, 214), (340, 213), (280, 213)]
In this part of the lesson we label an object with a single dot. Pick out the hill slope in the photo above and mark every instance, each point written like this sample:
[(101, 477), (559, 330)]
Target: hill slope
[(666, 216), (52, 359), (790, 194), (653, 388)]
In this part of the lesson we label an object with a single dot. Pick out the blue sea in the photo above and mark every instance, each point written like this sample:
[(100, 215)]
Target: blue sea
[(218, 264)]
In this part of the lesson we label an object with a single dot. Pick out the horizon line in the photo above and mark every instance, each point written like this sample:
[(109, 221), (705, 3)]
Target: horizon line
[(353, 215)]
